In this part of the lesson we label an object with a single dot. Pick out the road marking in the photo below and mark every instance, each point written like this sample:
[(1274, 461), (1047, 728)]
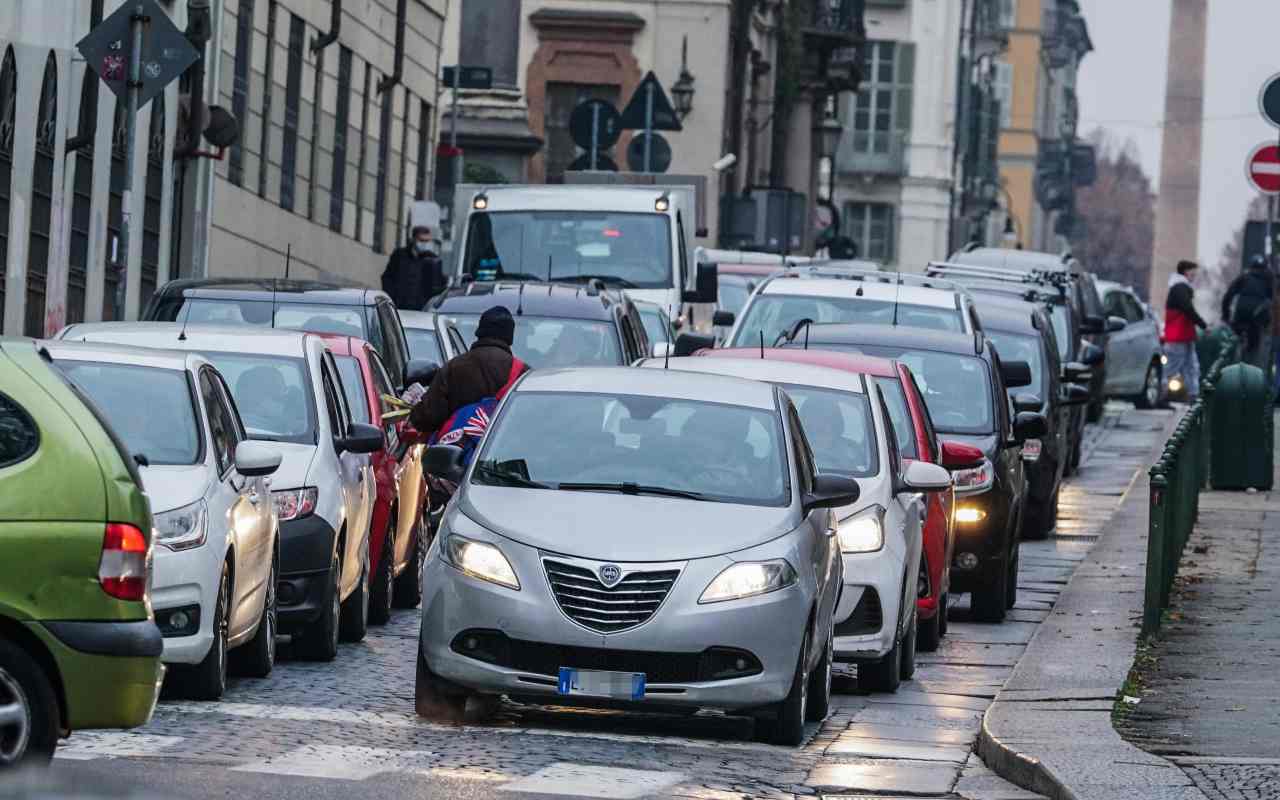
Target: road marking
[(343, 762), (87, 745), (581, 780)]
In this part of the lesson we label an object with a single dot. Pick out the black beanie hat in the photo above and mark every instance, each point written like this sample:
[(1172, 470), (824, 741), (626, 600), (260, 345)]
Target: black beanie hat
[(497, 323)]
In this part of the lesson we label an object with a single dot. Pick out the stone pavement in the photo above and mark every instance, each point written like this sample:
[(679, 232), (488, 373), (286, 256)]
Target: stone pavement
[(1211, 697)]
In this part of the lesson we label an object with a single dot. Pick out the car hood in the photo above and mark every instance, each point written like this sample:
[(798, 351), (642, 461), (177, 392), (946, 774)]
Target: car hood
[(295, 465), (988, 443), (169, 487), (607, 526)]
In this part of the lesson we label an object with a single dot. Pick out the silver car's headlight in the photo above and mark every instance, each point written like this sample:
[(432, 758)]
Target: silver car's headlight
[(480, 560), (863, 532), (182, 528), (748, 579)]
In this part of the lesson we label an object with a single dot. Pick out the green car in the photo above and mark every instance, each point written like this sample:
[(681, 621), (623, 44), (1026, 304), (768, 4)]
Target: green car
[(78, 644)]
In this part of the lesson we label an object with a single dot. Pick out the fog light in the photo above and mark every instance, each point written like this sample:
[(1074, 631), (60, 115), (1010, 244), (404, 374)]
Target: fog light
[(179, 619), (967, 561), (968, 515)]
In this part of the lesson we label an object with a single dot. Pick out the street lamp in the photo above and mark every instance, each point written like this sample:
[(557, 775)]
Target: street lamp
[(826, 138), (682, 91)]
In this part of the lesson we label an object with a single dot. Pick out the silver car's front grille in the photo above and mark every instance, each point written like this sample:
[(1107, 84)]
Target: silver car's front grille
[(608, 609)]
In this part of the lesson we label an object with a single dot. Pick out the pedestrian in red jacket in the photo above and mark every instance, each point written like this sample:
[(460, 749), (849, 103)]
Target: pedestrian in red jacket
[(1180, 322)]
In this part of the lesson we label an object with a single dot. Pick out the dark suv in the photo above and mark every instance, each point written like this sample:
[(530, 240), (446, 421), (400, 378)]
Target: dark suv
[(965, 384), (311, 306), (557, 325)]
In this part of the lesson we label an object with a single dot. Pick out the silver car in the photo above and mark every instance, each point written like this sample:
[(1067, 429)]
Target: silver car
[(656, 538), (1134, 366)]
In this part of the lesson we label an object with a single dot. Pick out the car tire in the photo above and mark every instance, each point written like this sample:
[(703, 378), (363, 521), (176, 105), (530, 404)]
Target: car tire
[(944, 603), (883, 674), (1093, 412), (380, 595), (354, 622), (907, 669), (208, 679), (819, 702), (435, 699), (1149, 397), (787, 726), (408, 584), (1077, 455), (33, 738), (1011, 582), (989, 601), (319, 642), (256, 657), (929, 636)]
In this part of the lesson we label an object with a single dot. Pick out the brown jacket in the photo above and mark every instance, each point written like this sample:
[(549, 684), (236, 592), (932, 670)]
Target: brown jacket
[(479, 373)]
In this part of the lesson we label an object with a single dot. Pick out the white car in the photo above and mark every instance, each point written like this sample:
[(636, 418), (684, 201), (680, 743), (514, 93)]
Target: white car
[(881, 535), (432, 337), (841, 294), (217, 541), (289, 393)]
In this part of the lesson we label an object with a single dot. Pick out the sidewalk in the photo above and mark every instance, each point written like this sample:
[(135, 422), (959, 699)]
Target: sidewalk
[(1049, 730)]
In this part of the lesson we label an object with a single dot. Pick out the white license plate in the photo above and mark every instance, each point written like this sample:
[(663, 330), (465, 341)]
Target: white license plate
[(596, 683)]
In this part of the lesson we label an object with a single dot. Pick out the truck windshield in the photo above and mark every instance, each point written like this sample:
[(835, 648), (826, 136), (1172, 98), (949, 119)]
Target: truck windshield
[(625, 250)]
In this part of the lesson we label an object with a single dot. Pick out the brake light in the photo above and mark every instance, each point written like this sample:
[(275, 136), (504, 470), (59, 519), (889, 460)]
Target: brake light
[(123, 568)]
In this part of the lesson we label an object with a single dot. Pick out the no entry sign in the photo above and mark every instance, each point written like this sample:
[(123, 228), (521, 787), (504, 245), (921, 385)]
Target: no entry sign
[(1263, 168)]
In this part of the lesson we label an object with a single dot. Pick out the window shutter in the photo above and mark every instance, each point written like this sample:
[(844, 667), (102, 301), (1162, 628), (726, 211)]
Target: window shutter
[(905, 69)]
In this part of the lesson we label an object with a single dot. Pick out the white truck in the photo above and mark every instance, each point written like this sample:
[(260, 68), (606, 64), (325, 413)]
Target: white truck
[(639, 239)]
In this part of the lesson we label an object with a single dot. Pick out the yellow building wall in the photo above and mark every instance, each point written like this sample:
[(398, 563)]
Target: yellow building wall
[(1019, 143)]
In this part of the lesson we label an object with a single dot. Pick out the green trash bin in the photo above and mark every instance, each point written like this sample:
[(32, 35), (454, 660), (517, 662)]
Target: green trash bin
[(1210, 344), (1240, 428)]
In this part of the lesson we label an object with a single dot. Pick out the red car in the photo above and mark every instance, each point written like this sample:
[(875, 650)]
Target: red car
[(916, 440), (397, 536)]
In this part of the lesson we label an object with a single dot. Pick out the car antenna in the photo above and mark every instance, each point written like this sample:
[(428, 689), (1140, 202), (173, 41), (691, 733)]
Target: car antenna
[(548, 268), (520, 300), (807, 326), (182, 334), (897, 292), (666, 358), (762, 344)]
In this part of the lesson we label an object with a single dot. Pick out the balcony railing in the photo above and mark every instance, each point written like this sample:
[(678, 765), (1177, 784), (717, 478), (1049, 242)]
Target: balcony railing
[(839, 22), (882, 153)]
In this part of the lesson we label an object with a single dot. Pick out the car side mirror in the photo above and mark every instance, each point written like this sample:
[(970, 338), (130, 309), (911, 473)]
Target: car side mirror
[(706, 283), (1075, 372), (256, 460), (444, 461), (1073, 394), (958, 455), (361, 438), (1093, 324), (663, 349), (689, 343), (1092, 355), (921, 476), (421, 371), (1028, 425), (1115, 324), (723, 319), (1026, 401), (1016, 374), (831, 491)]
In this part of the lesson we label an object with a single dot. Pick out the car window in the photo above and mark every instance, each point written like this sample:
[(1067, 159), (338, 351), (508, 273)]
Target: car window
[(1023, 347), (382, 385), (656, 325), (806, 463), (230, 403), (394, 353), (1133, 309), (19, 435), (1114, 305), (222, 425), (839, 428), (353, 387), (424, 344), (544, 342), (895, 454), (733, 293), (904, 427), (272, 393), (459, 344), (931, 436), (341, 408), (1061, 330), (332, 402), (725, 453), (315, 317), (775, 314), (152, 410)]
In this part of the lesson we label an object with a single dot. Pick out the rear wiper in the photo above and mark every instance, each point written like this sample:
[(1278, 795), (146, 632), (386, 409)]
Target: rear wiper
[(632, 488), (504, 478), (613, 280)]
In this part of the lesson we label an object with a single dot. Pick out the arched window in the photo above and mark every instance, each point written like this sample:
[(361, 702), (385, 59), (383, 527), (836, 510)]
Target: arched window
[(8, 104), (154, 194), (82, 198), (114, 285), (42, 199)]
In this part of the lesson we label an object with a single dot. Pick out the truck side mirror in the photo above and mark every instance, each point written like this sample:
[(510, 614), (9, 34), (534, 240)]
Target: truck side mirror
[(706, 285)]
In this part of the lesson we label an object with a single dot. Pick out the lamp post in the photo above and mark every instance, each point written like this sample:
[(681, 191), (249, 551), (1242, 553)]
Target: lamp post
[(682, 90), (826, 138)]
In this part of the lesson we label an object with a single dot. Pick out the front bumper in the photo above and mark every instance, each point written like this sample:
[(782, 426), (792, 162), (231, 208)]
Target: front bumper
[(183, 579), (987, 540), (306, 554), (110, 671), (769, 627)]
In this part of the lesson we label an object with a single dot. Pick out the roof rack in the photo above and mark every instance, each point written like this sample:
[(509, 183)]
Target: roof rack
[(872, 276), (946, 268)]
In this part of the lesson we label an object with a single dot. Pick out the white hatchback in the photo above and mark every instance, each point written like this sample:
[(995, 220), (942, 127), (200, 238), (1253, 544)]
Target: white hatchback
[(216, 535), (289, 393)]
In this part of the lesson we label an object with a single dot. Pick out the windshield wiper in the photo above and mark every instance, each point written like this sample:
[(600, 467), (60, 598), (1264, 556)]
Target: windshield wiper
[(504, 478), (632, 488), (612, 280)]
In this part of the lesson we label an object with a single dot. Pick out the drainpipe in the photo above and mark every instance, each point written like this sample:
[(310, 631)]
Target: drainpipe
[(199, 23), (318, 45), (335, 27), (389, 81)]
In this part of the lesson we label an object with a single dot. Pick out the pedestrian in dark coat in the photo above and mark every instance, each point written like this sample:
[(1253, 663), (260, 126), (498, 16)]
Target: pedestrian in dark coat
[(414, 273), (1247, 306)]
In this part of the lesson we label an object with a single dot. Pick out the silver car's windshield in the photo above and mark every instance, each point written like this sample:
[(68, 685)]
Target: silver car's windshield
[(839, 429), (273, 394), (150, 409), (637, 445), (776, 313), (544, 342)]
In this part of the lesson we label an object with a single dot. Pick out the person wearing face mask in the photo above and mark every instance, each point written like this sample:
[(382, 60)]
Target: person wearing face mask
[(1180, 322), (414, 274)]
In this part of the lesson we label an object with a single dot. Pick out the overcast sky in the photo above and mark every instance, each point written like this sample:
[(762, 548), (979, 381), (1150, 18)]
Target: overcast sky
[(1122, 83)]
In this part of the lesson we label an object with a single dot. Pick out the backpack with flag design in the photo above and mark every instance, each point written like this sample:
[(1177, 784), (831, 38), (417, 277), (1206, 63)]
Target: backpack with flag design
[(466, 426)]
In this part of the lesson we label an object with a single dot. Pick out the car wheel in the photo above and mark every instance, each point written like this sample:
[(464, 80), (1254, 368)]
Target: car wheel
[(208, 679), (1149, 397), (435, 699), (319, 642), (28, 710), (1011, 582), (258, 656), (355, 609), (929, 635), (944, 603), (408, 585), (1077, 454), (1043, 520), (989, 601), (908, 667), (787, 728), (380, 597), (884, 674), (1093, 412), (819, 703)]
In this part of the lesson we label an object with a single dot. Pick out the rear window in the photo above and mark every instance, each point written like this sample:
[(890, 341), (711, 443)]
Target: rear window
[(19, 436), (313, 317), (151, 410), (424, 344)]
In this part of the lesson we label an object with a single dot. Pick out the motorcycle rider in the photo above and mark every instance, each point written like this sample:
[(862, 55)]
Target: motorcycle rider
[(1251, 292)]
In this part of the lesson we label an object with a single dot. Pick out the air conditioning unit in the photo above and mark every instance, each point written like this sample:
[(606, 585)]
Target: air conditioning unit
[(763, 220)]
